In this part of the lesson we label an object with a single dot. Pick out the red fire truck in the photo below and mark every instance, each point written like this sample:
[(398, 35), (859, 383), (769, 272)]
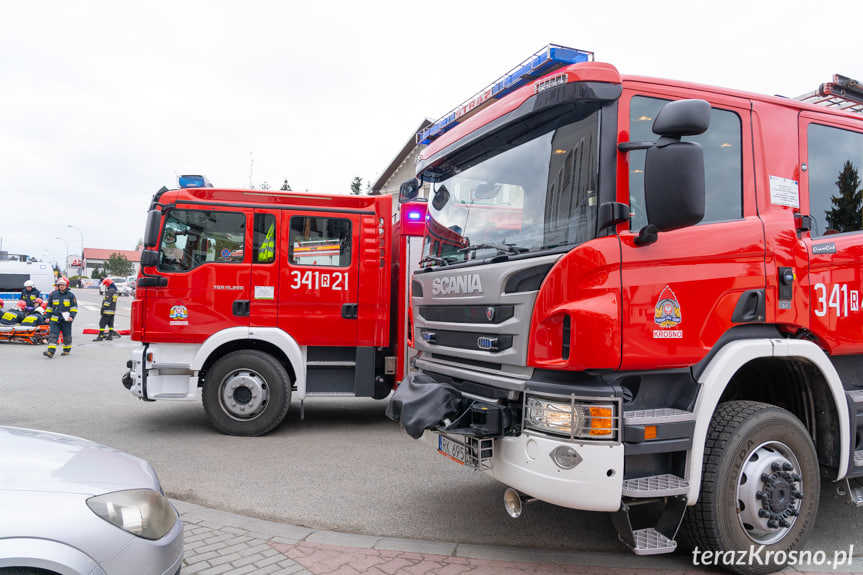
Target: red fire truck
[(255, 295), (672, 332)]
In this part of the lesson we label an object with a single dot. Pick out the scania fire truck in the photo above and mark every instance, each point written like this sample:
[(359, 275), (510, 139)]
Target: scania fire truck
[(251, 296), (643, 297)]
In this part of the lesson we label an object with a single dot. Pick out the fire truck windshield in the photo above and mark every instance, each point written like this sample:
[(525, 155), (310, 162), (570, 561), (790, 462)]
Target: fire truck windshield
[(535, 195)]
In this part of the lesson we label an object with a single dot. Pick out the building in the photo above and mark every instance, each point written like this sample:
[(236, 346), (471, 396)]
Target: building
[(402, 168), (96, 258)]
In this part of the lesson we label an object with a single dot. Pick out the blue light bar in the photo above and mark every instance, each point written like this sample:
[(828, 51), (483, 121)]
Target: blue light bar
[(542, 62), (189, 181), (414, 215)]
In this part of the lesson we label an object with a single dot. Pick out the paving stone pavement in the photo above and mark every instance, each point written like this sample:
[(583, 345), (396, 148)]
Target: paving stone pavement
[(222, 543)]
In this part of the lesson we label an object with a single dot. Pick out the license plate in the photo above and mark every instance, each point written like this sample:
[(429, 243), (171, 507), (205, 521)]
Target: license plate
[(452, 449)]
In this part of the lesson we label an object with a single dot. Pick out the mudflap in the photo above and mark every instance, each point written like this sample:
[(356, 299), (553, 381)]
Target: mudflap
[(421, 403)]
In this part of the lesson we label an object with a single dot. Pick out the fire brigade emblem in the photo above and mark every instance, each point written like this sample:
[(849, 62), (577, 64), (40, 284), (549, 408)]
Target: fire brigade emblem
[(179, 315), (667, 315)]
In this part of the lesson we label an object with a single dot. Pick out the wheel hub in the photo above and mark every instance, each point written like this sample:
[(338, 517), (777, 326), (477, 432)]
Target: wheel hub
[(244, 394), (769, 491)]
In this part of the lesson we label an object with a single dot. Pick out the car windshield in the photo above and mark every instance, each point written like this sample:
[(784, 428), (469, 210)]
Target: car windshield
[(530, 197)]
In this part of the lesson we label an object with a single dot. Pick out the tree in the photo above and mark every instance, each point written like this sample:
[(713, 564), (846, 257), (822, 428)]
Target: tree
[(356, 186), (845, 215), (119, 265)]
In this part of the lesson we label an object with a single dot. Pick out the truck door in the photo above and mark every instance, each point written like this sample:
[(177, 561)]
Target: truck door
[(202, 257), (681, 291), (267, 248), (319, 282), (830, 194)]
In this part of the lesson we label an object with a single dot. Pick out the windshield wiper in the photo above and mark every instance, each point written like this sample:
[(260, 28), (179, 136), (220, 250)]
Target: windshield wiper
[(434, 260), (502, 248)]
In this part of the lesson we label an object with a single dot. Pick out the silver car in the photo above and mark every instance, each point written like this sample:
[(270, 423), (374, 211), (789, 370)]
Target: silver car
[(69, 506)]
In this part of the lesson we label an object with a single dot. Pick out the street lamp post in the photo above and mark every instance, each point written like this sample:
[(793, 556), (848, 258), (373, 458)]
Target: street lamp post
[(66, 261), (83, 267)]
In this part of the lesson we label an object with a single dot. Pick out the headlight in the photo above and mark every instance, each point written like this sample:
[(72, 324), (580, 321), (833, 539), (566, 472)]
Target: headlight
[(142, 512), (573, 419)]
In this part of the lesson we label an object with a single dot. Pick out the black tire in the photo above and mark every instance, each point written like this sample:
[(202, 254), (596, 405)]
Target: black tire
[(760, 486), (246, 393)]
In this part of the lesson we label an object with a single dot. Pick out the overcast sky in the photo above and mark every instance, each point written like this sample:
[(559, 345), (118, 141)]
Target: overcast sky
[(104, 102)]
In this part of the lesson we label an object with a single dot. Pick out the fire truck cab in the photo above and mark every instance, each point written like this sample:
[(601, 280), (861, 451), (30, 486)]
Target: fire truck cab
[(667, 325), (254, 296)]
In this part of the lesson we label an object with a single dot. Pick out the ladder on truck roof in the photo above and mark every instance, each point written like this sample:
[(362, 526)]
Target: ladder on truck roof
[(842, 93), (540, 63)]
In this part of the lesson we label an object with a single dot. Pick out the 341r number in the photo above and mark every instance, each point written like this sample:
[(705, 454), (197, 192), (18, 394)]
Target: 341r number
[(841, 299), (315, 280)]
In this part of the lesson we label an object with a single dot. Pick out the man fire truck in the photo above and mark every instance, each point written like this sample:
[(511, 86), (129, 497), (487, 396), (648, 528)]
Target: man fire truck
[(253, 295), (643, 297)]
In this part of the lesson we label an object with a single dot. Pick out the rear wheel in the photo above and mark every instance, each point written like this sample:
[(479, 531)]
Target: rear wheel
[(246, 393), (760, 487)]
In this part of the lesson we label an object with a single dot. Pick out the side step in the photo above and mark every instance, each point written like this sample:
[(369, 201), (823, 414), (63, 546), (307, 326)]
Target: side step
[(854, 489), (655, 486), (652, 542), (657, 416)]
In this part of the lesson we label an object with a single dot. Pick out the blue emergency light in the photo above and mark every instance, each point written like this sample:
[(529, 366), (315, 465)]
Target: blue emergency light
[(190, 181), (542, 62), (414, 215)]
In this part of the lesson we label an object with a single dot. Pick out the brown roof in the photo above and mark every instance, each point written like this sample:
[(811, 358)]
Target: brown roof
[(100, 254)]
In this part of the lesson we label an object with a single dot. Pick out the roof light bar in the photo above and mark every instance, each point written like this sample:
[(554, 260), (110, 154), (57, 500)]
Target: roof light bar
[(190, 181), (542, 62)]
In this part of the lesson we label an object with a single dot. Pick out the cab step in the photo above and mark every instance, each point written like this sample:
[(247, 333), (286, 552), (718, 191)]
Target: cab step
[(666, 485), (657, 416), (856, 395), (651, 542), (854, 489), (858, 458)]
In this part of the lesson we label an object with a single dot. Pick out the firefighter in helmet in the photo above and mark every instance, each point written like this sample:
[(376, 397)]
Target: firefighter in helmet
[(62, 309), (29, 294), (109, 308), (15, 314), (36, 317)]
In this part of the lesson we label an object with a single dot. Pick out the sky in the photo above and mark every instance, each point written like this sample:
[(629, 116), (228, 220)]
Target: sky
[(103, 102)]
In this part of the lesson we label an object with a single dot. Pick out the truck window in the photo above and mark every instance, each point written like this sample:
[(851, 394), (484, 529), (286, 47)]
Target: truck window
[(723, 172), (320, 241), (835, 157), (264, 239), (191, 238)]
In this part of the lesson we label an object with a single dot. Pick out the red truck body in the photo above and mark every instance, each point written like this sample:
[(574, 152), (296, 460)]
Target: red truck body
[(270, 293), (668, 318)]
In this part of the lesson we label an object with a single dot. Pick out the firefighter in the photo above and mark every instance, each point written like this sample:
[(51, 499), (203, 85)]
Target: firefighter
[(109, 308), (62, 309), (14, 315), (35, 317), (29, 294)]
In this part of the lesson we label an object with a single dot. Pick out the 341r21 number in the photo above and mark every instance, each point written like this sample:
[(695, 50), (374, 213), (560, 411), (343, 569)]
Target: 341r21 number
[(315, 280)]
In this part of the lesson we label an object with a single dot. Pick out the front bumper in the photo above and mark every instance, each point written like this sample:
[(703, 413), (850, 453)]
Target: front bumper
[(487, 437)]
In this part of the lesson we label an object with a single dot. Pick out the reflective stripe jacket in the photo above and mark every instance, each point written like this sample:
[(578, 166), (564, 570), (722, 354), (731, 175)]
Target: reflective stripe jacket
[(109, 302), (29, 297), (59, 302)]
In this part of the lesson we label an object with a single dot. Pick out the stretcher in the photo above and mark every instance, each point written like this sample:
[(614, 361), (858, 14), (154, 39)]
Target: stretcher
[(33, 335)]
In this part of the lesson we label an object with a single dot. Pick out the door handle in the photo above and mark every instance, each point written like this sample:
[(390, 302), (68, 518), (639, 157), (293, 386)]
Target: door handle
[(241, 307), (349, 311)]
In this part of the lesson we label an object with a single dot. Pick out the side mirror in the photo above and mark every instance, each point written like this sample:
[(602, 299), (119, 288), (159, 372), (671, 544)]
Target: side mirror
[(149, 258), (151, 229), (673, 169), (409, 190)]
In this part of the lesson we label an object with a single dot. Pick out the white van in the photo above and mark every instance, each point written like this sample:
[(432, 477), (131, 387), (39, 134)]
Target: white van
[(13, 274)]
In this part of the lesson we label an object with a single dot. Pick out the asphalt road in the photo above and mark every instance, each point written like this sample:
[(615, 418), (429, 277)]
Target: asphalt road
[(345, 467)]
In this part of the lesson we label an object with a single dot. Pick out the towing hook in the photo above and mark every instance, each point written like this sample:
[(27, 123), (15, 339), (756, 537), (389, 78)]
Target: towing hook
[(514, 502)]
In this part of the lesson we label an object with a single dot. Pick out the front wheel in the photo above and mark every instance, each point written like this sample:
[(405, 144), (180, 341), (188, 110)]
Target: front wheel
[(760, 487), (247, 393)]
